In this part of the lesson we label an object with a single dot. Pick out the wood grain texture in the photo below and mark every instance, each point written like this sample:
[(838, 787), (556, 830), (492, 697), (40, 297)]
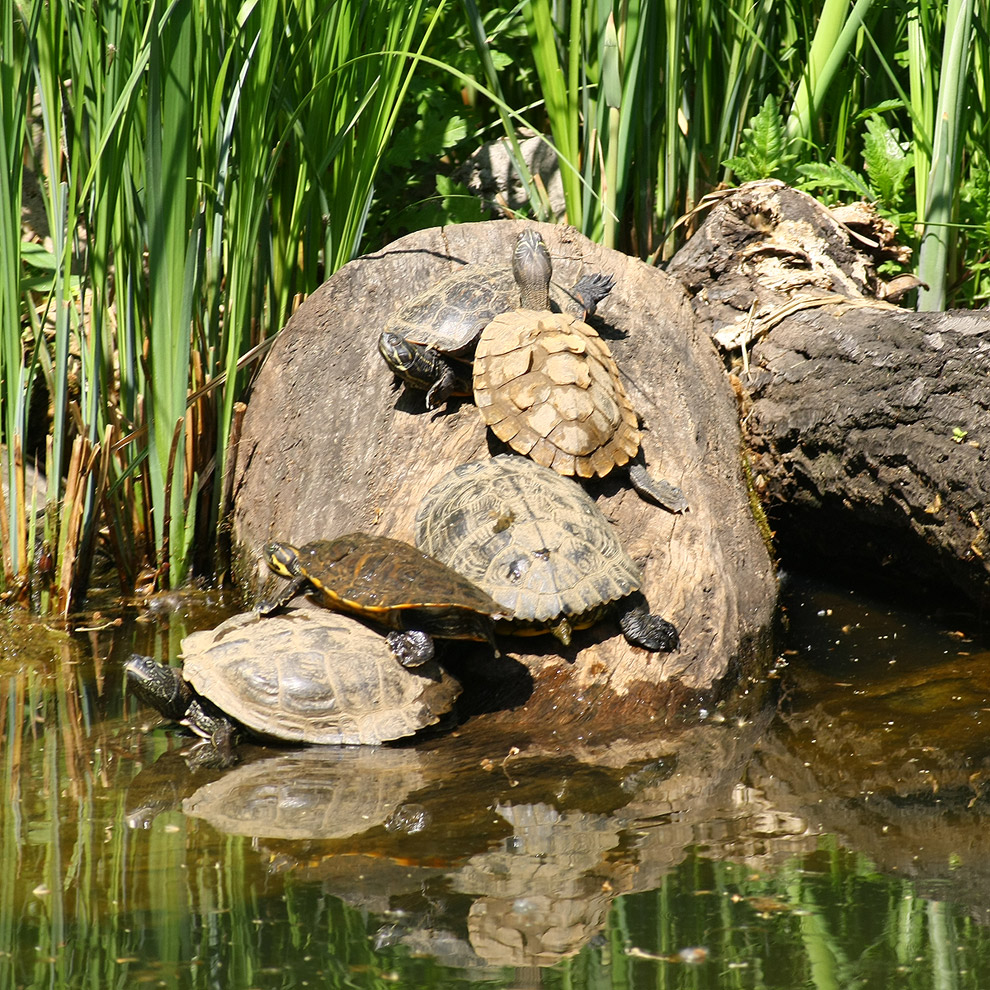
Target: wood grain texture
[(868, 424)]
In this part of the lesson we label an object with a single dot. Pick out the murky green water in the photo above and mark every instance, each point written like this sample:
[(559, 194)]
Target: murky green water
[(839, 841)]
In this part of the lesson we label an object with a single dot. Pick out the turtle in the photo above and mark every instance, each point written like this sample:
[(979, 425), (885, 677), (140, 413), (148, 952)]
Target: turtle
[(539, 545), (308, 676), (390, 583), (547, 385), (429, 341)]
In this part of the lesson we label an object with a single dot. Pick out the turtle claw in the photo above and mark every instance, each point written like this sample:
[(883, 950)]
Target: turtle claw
[(562, 631), (641, 628), (268, 606), (271, 605), (590, 290), (204, 754), (412, 648), (444, 386)]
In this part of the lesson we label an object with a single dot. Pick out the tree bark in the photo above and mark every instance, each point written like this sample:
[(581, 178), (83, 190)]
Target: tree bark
[(330, 445), (867, 424)]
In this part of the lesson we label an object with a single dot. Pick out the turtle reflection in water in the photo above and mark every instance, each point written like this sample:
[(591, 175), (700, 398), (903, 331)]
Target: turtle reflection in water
[(390, 583), (308, 676), (314, 793), (539, 545)]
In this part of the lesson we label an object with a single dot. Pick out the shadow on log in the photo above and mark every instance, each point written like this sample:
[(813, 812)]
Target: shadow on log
[(330, 445), (868, 425)]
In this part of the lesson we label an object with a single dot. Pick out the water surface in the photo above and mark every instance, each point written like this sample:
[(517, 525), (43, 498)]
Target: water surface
[(835, 837)]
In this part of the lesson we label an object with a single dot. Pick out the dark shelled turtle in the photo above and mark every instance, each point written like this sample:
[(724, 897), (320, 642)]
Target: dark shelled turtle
[(540, 546), (307, 676), (388, 582), (429, 341), (547, 384)]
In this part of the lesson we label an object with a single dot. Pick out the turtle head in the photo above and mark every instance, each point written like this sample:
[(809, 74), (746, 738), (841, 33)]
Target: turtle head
[(282, 558), (158, 685), (532, 269), (414, 364)]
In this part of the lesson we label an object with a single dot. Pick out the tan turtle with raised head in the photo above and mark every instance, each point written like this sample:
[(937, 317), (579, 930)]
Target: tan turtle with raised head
[(547, 385)]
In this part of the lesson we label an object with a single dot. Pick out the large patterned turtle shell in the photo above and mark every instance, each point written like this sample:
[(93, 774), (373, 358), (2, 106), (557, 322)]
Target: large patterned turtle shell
[(313, 676), (547, 384), (534, 540)]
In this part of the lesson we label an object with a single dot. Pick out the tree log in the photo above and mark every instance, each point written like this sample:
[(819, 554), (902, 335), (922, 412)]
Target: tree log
[(867, 424), (330, 445)]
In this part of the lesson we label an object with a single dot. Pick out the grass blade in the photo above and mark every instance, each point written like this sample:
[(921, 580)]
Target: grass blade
[(933, 261)]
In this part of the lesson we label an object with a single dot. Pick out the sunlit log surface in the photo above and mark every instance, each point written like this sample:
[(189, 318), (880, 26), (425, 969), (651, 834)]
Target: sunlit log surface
[(868, 424)]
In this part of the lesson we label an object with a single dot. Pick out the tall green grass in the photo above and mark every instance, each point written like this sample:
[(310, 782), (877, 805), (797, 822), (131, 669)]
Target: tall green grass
[(202, 167), (15, 89), (660, 97), (947, 131)]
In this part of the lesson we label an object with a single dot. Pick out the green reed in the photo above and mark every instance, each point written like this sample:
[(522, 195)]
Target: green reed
[(201, 169), (15, 90), (647, 101), (947, 129)]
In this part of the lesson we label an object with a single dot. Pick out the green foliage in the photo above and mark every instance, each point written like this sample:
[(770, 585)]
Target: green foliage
[(203, 168), (458, 205), (887, 163), (975, 227), (946, 129), (658, 104), (763, 151), (884, 182), (835, 176), (418, 196)]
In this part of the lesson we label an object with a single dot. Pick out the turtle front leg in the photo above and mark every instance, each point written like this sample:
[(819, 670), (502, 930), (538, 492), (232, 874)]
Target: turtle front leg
[(449, 382), (217, 732), (412, 648), (666, 495), (293, 588), (563, 630), (590, 290), (641, 628)]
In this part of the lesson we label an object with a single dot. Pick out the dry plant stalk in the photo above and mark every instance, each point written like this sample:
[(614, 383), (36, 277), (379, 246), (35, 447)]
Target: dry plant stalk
[(8, 566), (22, 553), (80, 467)]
